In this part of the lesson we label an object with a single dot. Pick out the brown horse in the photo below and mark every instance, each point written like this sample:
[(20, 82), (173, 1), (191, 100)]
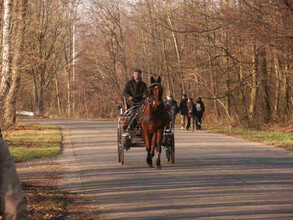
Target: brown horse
[(153, 119), (191, 114)]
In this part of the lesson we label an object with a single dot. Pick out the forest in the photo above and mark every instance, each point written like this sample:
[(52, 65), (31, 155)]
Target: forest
[(71, 59)]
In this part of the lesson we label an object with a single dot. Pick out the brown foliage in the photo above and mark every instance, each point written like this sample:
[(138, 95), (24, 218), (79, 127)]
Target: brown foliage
[(237, 55)]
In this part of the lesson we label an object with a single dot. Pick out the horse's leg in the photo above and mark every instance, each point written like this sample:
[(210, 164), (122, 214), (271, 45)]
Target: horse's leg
[(147, 139), (149, 153), (159, 149), (153, 145)]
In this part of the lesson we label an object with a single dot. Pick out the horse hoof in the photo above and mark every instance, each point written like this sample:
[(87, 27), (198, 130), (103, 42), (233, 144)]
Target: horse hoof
[(150, 166), (158, 167)]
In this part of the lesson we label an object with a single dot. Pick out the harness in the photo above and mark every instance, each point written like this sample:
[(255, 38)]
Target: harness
[(142, 108), (149, 101)]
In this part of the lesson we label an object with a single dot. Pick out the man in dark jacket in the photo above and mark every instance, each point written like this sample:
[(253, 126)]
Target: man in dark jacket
[(12, 204), (172, 107), (135, 89), (199, 107), (184, 111)]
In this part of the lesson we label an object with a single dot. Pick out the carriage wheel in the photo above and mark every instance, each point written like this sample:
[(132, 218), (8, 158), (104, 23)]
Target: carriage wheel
[(119, 144), (122, 149), (172, 150)]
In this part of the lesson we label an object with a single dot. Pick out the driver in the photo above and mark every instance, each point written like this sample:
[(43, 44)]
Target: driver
[(135, 89)]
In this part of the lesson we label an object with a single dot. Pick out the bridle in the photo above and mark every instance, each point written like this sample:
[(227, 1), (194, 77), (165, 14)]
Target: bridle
[(153, 97), (153, 85), (151, 101)]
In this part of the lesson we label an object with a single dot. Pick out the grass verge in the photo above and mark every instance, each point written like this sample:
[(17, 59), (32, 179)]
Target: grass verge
[(29, 141), (278, 139)]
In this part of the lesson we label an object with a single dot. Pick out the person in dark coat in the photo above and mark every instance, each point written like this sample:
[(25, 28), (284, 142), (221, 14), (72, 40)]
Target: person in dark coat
[(12, 203), (172, 107), (135, 89), (184, 111), (200, 108), (191, 113)]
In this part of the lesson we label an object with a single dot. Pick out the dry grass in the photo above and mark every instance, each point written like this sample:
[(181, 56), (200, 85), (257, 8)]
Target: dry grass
[(276, 138), (29, 141)]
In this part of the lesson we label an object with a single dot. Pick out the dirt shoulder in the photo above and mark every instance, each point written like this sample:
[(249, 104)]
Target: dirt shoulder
[(42, 181)]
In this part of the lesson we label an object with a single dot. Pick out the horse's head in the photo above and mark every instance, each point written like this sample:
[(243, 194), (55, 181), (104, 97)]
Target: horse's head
[(156, 92)]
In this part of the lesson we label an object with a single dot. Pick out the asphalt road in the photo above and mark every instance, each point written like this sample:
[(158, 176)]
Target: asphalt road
[(214, 176)]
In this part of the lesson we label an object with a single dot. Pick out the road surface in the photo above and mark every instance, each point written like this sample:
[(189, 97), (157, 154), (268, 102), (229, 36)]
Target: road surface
[(214, 176)]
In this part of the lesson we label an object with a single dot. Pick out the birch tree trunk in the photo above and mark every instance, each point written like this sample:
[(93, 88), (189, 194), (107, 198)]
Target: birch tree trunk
[(58, 100), (19, 27), (6, 51), (277, 88)]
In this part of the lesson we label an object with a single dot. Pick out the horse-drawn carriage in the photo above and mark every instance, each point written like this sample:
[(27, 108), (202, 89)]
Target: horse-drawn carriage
[(130, 134)]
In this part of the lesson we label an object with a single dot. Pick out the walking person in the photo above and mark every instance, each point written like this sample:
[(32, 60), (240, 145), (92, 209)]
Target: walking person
[(191, 113), (172, 107), (200, 108), (12, 204), (183, 111)]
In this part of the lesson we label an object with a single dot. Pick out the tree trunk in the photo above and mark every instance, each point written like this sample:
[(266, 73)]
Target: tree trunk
[(241, 80), (69, 92), (166, 69), (175, 40), (41, 99), (277, 88), (19, 27), (286, 91), (264, 84), (254, 86), (57, 95), (6, 51), (228, 97), (213, 82)]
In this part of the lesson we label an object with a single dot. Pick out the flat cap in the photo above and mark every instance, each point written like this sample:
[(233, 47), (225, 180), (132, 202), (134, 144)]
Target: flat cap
[(137, 70)]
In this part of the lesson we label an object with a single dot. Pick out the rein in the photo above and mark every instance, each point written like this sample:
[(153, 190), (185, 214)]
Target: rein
[(150, 117), (149, 101)]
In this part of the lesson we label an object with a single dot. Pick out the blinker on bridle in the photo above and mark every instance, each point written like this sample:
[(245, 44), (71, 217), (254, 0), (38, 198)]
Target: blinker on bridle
[(155, 84), (151, 86)]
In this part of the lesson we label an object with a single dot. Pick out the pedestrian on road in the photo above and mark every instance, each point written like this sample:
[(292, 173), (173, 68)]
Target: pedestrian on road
[(183, 111), (200, 108), (12, 204), (172, 107)]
